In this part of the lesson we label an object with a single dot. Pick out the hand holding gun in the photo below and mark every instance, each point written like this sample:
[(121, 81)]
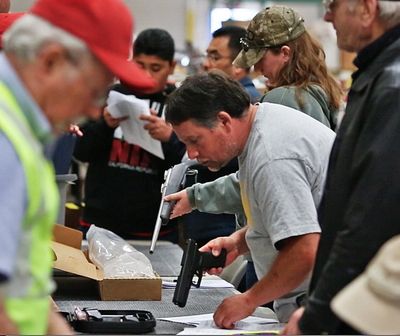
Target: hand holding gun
[(193, 263), (175, 178)]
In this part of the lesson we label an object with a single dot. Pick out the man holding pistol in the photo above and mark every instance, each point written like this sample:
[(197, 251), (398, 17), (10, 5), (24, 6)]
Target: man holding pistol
[(283, 157)]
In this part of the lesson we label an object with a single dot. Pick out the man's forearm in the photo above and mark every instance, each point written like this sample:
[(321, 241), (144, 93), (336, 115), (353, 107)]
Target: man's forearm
[(290, 268), (239, 238)]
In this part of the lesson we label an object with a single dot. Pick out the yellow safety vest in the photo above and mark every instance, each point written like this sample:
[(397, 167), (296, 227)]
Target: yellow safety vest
[(27, 300)]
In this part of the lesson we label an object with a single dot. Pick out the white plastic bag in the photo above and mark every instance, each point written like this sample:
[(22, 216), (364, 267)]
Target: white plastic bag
[(115, 256)]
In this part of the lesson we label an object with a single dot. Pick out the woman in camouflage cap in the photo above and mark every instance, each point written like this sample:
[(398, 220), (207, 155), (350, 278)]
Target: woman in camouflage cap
[(279, 47)]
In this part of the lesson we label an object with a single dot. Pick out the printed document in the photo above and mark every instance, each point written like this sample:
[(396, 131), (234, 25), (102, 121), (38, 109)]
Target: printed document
[(120, 105)]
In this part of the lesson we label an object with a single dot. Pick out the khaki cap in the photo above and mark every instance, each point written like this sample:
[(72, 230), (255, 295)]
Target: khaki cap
[(371, 303), (271, 27)]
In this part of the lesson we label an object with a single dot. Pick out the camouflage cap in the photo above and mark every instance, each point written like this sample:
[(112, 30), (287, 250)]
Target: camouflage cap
[(271, 27)]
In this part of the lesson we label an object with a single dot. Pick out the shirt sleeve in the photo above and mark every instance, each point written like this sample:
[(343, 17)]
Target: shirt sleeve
[(219, 196), (12, 205)]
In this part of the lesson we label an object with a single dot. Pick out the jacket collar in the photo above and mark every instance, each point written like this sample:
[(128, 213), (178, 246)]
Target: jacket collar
[(375, 56), (367, 55)]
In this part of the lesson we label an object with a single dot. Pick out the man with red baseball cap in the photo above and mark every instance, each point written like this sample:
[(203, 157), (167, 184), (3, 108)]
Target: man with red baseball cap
[(58, 61)]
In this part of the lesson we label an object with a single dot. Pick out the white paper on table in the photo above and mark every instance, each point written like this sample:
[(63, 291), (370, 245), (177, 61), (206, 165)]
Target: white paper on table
[(205, 331), (207, 321), (236, 332), (205, 283), (120, 105), (250, 325), (243, 327)]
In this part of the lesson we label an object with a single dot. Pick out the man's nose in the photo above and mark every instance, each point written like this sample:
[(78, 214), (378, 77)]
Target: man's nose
[(206, 64), (192, 153)]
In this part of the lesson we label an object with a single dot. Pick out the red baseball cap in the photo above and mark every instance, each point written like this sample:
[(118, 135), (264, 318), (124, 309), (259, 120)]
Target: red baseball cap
[(6, 20), (106, 26)]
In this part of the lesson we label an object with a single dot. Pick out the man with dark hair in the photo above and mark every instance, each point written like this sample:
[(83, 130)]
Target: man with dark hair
[(283, 157), (122, 188), (360, 209), (222, 51), (156, 42)]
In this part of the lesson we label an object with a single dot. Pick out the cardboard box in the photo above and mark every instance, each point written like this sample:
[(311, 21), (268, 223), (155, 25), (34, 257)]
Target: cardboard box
[(70, 258)]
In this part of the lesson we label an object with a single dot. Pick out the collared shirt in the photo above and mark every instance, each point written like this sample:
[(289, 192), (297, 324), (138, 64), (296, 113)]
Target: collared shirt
[(13, 192)]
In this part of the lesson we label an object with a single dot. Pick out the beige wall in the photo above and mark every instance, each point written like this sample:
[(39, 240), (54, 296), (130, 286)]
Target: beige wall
[(172, 16), (166, 14)]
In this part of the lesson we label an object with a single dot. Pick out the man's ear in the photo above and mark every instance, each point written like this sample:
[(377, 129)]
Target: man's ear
[(172, 67), (51, 57), (368, 11), (224, 120)]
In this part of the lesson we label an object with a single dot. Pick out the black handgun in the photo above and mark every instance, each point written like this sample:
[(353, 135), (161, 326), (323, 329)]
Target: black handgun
[(175, 178), (193, 263)]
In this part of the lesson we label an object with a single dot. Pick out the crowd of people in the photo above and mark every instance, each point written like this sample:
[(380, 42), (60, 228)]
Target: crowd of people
[(312, 204)]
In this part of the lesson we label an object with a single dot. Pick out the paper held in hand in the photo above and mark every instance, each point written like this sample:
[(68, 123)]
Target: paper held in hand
[(120, 105)]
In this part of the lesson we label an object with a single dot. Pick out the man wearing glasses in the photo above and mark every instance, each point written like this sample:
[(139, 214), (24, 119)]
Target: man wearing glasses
[(222, 50), (360, 208)]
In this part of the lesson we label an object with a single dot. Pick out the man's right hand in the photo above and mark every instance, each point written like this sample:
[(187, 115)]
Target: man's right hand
[(182, 205)]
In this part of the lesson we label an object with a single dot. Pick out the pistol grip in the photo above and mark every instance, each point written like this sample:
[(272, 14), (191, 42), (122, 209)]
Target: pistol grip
[(208, 260)]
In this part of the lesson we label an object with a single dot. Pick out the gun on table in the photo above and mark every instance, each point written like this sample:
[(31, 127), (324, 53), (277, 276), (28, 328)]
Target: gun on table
[(193, 263), (174, 181)]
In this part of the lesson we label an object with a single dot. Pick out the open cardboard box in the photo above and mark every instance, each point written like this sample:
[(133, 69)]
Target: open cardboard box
[(70, 258)]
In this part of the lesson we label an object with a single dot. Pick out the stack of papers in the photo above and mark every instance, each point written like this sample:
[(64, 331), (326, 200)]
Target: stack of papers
[(205, 325), (119, 106)]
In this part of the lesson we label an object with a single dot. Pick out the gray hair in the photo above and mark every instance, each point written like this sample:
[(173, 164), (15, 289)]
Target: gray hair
[(389, 13), (30, 33)]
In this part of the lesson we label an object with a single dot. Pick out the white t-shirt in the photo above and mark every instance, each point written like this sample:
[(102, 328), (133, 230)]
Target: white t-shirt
[(282, 174)]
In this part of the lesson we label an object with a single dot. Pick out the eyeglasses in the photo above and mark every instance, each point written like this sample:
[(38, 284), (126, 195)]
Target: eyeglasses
[(215, 57), (247, 44), (328, 5)]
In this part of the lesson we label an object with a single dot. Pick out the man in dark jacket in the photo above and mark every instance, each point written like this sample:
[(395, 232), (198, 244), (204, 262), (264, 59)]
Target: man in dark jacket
[(123, 181), (360, 208)]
